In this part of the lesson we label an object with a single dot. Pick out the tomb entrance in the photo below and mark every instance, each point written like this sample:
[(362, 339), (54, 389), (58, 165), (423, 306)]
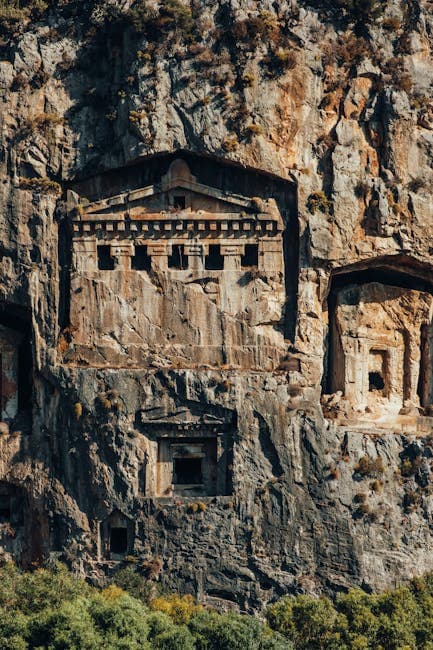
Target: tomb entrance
[(189, 267), (189, 452), (117, 536), (379, 343), (15, 364)]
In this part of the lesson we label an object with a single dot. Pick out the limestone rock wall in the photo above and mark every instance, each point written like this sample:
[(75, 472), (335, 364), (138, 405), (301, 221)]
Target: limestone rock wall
[(296, 102)]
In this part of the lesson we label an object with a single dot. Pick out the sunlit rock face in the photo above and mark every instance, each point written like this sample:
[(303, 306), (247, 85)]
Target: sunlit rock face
[(178, 274), (381, 349), (216, 294)]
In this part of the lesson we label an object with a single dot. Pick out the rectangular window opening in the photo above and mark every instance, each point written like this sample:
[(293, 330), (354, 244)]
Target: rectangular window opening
[(5, 509), (141, 261), (178, 259), (378, 372), (179, 202), (214, 261), (375, 382), (251, 257), (105, 261), (187, 471), (142, 478), (118, 540)]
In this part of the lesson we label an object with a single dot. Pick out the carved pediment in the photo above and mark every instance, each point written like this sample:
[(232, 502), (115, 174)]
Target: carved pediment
[(177, 200), (188, 417)]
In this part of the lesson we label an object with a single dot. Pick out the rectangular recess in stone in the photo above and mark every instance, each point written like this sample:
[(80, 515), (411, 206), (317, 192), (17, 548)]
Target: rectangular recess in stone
[(214, 261), (250, 258), (178, 260), (179, 202), (187, 467), (105, 261), (5, 508), (118, 540), (141, 261)]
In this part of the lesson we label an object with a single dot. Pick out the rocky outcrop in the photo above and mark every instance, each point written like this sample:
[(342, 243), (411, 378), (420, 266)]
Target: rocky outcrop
[(215, 291)]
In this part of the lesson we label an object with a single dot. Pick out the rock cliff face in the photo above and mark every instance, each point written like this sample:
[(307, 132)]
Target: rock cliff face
[(216, 292)]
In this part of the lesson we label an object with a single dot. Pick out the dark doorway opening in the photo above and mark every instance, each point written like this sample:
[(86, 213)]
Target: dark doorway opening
[(178, 259), (375, 381), (214, 261), (251, 257), (105, 261), (188, 471), (5, 509), (141, 261), (179, 202), (118, 540), (19, 319)]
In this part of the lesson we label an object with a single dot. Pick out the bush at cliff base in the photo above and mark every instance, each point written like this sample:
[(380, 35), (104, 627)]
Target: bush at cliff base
[(401, 619), (53, 609)]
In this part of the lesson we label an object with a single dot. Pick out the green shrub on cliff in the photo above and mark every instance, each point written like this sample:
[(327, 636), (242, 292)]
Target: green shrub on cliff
[(171, 16), (363, 9)]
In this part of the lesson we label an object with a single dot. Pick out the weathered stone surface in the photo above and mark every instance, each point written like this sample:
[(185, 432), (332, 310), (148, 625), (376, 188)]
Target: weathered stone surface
[(218, 423)]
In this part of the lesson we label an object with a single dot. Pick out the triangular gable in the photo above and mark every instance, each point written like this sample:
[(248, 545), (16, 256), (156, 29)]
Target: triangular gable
[(178, 177)]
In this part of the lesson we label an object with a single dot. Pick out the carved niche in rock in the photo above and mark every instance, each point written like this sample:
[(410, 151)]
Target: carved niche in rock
[(177, 273), (117, 536), (377, 345), (189, 452), (10, 341), (11, 518)]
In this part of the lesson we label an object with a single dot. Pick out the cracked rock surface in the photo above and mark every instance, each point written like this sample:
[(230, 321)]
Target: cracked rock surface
[(327, 474)]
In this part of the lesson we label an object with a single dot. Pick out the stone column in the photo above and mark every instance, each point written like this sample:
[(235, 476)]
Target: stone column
[(271, 257), (355, 371), (84, 254), (221, 465), (427, 356), (159, 252), (231, 295), (232, 256), (122, 253), (194, 252), (311, 325), (395, 362), (414, 358)]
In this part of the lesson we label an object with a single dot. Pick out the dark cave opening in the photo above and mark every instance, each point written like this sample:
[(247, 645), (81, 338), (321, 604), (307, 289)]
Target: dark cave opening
[(187, 471), (5, 508), (105, 261), (141, 261), (250, 259), (179, 202), (214, 261), (375, 381), (18, 319), (119, 540)]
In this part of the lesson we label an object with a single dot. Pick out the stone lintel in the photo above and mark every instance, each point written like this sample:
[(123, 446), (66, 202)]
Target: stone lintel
[(232, 249)]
